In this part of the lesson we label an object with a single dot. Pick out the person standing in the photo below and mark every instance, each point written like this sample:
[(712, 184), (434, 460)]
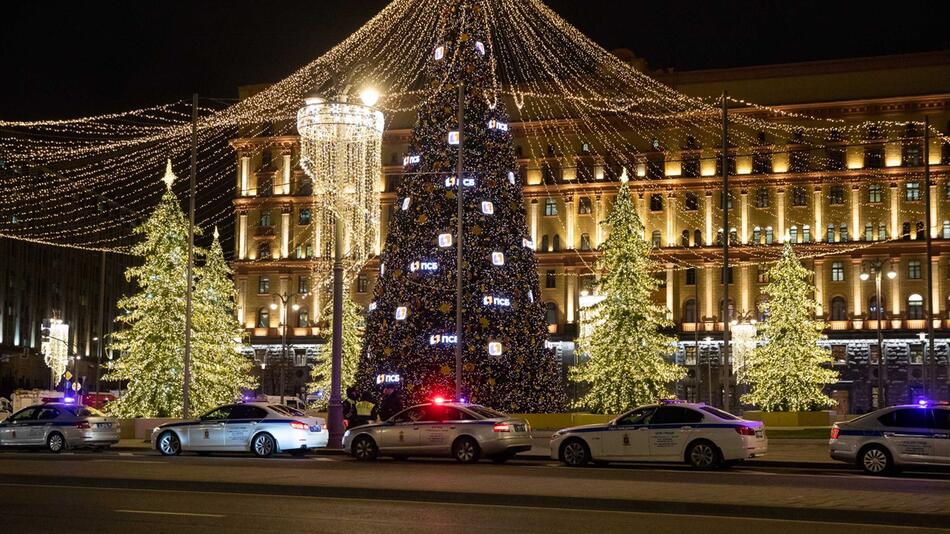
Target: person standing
[(349, 407), (391, 403), (365, 410)]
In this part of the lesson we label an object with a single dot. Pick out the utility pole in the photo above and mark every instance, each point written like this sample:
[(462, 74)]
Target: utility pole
[(100, 327), (726, 236), (930, 365), (458, 244), (189, 276), (335, 406)]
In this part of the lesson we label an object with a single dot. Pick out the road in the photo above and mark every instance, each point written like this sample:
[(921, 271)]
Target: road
[(144, 492)]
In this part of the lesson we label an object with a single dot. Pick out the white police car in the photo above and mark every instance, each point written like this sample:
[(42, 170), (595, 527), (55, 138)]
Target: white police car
[(671, 431), (885, 440)]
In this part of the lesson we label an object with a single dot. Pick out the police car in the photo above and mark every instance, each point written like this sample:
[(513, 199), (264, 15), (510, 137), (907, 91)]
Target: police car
[(882, 441), (671, 431)]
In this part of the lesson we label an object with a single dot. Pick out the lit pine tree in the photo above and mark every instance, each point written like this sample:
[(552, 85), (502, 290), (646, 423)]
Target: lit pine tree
[(411, 325), (219, 369), (354, 325), (788, 369), (627, 352), (151, 344)]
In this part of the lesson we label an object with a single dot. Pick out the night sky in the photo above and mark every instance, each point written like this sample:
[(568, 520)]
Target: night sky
[(68, 58)]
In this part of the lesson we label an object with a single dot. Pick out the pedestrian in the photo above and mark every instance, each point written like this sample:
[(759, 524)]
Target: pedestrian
[(391, 403), (349, 407), (365, 410)]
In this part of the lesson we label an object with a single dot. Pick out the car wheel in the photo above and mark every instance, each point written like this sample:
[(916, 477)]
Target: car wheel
[(465, 450), (169, 444), (703, 455), (263, 446), (575, 453), (364, 449), (876, 460), (56, 443)]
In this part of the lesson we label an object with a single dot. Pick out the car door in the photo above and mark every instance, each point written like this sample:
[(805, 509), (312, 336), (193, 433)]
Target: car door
[(401, 433), (209, 432), (671, 428), (438, 430), (909, 434), (627, 437), (241, 422), (15, 430), (941, 423), (43, 424)]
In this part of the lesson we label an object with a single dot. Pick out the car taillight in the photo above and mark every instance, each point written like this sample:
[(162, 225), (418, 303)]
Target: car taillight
[(299, 426), (745, 430), (83, 425), (835, 431), (502, 427)]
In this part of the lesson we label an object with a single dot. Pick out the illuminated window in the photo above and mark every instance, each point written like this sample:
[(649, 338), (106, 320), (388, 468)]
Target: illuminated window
[(875, 193), (912, 191), (550, 207), (584, 206), (265, 219), (762, 198), (656, 238), (837, 271), (769, 235), (304, 217), (263, 285), (263, 318), (915, 307), (913, 270), (303, 318), (830, 233), (869, 232), (303, 285)]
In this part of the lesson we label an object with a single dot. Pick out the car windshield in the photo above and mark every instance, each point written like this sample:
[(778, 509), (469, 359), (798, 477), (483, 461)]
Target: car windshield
[(286, 410), (719, 413), (485, 412)]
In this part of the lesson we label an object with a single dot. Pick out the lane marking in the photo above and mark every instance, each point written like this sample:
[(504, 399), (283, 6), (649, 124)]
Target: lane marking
[(156, 512), (126, 454), (107, 460)]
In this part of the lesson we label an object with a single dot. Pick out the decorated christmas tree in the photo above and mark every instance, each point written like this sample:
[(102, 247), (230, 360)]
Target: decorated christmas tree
[(627, 351), (151, 345), (218, 367), (411, 328), (354, 325), (788, 369)]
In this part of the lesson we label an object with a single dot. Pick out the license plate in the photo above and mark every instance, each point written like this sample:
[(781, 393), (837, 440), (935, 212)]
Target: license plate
[(103, 425), (759, 434), (519, 428), (315, 428)]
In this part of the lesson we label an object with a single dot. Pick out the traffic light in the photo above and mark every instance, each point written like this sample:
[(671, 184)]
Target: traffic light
[(45, 331)]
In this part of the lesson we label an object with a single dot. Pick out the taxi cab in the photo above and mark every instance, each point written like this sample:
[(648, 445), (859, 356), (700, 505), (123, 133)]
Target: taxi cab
[(670, 431), (885, 440)]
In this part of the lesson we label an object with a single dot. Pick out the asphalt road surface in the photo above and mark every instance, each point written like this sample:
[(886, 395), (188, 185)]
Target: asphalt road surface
[(143, 492)]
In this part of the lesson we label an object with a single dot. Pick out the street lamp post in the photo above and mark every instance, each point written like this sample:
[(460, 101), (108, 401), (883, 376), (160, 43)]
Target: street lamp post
[(876, 269), (284, 299)]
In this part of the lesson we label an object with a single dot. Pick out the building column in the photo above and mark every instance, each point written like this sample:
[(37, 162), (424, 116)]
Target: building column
[(819, 230), (709, 215), (709, 273), (244, 170), (744, 213), (934, 216), (856, 231), (820, 287), (641, 211), (895, 305), (317, 233), (670, 218), (744, 293), (285, 173), (242, 300), (315, 307), (937, 305), (285, 233), (570, 221), (780, 206), (895, 206), (669, 291), (242, 236), (858, 301), (533, 221), (570, 303), (598, 230)]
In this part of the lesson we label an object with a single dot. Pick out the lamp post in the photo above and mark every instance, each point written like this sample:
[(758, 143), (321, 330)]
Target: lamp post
[(284, 300), (708, 341), (876, 270)]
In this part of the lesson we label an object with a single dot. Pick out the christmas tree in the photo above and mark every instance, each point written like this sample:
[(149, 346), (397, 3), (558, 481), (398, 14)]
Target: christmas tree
[(411, 328), (626, 349), (354, 325), (788, 369), (218, 367), (151, 345)]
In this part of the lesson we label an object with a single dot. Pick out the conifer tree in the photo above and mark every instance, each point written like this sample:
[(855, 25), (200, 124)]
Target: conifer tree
[(627, 351), (788, 369), (354, 325)]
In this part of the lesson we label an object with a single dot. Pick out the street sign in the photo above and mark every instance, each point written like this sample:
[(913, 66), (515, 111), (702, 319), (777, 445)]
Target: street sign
[(76, 386), (67, 375)]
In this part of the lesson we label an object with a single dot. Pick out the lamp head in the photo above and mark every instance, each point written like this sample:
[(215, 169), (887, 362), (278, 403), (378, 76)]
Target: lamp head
[(273, 305), (369, 96), (892, 274), (296, 307), (865, 277)]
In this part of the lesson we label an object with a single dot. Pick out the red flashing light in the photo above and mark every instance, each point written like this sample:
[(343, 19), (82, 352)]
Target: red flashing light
[(439, 400), (299, 426), (835, 431), (745, 430), (501, 427)]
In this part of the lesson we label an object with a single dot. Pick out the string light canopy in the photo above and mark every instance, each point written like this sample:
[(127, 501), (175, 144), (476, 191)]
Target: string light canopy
[(575, 108)]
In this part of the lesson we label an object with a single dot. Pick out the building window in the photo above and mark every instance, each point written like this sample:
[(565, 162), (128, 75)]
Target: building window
[(839, 309), (584, 206), (830, 233), (916, 356), (656, 202), (799, 196), (263, 318), (362, 284), (731, 312), (769, 235), (836, 195), (946, 229), (756, 235), (869, 232), (905, 231), (882, 231), (550, 313), (689, 311), (585, 241), (912, 191), (762, 309), (304, 217), (839, 353), (915, 307), (544, 243), (556, 243), (303, 318), (263, 285), (656, 238), (692, 201), (264, 252), (837, 271), (913, 270), (691, 276), (806, 234), (872, 307), (690, 354), (684, 238), (844, 232), (762, 275), (697, 238), (303, 285), (793, 234), (723, 198), (762, 198), (875, 193), (550, 207), (265, 219), (550, 279)]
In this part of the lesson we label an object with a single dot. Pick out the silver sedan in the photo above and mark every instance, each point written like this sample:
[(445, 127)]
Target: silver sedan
[(466, 432), (262, 428), (58, 426)]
